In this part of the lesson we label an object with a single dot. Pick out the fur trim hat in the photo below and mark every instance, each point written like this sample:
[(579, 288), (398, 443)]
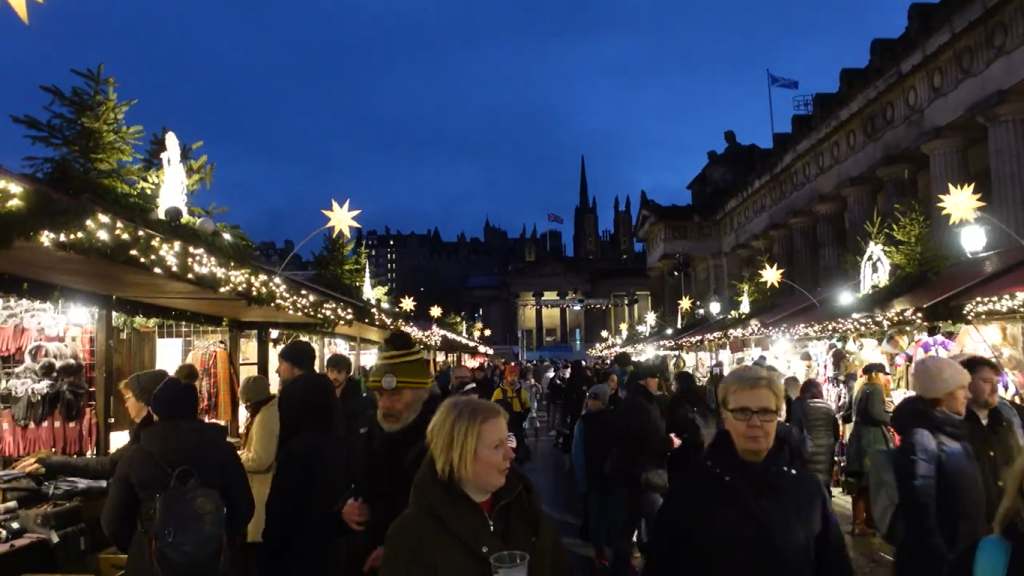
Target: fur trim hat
[(934, 377), (400, 364)]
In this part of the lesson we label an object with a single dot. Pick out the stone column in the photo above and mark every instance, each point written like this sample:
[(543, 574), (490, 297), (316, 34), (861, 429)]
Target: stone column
[(831, 232), (899, 187), (563, 319), (1006, 157), (860, 209), (782, 253), (804, 264), (947, 164), (538, 322)]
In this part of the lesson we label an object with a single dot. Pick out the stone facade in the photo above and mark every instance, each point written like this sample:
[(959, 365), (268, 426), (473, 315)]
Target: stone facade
[(940, 104)]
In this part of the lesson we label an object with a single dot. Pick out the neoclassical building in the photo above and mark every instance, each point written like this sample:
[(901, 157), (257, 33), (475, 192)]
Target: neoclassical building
[(941, 104)]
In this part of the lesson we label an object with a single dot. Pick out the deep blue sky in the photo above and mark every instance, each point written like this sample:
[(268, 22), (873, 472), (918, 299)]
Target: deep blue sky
[(440, 115)]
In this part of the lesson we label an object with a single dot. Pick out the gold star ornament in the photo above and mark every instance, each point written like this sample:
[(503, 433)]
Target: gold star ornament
[(435, 312), (771, 275), (487, 331), (478, 326), (685, 304), (605, 334), (341, 218), (476, 334), (650, 318), (624, 327), (961, 204), (21, 8), (407, 304)]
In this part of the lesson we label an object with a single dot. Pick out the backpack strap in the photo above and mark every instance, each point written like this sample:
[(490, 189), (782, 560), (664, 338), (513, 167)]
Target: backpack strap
[(992, 558)]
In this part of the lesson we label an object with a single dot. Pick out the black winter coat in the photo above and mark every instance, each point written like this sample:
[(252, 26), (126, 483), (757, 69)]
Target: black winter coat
[(384, 466), (816, 420), (349, 413), (688, 423), (144, 472), (444, 532), (996, 447), (304, 531), (779, 512), (941, 498), (643, 443), (99, 467)]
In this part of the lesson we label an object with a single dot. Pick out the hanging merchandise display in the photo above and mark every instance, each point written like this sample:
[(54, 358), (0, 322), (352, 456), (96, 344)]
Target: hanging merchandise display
[(218, 383), (46, 401)]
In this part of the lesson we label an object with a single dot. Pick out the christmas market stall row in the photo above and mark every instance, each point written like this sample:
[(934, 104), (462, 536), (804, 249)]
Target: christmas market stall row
[(91, 293), (901, 302)]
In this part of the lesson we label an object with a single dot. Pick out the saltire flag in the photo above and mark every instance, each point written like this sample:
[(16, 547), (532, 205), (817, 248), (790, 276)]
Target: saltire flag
[(784, 83), (552, 217)]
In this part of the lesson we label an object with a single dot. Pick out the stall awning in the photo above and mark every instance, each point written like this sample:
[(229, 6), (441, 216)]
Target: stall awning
[(960, 277), (34, 261), (1011, 282)]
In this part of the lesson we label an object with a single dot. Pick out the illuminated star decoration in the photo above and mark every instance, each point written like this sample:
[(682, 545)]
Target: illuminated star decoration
[(21, 8), (476, 333), (685, 304), (624, 327), (650, 318), (435, 312), (487, 331), (961, 204), (478, 326), (407, 304), (771, 275), (341, 219), (605, 334)]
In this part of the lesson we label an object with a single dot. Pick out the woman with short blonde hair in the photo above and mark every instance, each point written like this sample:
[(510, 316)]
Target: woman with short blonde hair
[(469, 502), (755, 472)]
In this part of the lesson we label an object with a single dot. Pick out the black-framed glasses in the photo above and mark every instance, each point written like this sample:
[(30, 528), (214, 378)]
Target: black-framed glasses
[(765, 415)]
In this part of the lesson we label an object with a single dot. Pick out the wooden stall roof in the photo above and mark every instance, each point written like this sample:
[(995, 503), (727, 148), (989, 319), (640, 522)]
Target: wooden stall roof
[(960, 277), (1009, 283), (34, 261)]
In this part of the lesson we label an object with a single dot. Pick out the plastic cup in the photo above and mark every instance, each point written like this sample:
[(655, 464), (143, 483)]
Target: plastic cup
[(510, 563)]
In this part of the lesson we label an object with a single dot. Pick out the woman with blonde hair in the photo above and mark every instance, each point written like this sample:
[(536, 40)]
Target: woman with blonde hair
[(1005, 546), (776, 509), (871, 415), (469, 502)]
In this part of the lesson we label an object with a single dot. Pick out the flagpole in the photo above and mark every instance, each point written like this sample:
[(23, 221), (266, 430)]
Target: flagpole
[(771, 109)]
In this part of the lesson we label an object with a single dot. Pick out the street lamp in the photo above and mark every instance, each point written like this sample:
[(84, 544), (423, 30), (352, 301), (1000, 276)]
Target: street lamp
[(973, 239), (846, 298), (714, 306)]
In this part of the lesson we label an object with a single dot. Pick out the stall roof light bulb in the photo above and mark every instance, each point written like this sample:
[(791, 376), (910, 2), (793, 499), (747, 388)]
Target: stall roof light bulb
[(973, 239), (846, 298)]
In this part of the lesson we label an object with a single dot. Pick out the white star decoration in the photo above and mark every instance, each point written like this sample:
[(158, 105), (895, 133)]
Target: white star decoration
[(435, 311), (407, 304), (341, 218)]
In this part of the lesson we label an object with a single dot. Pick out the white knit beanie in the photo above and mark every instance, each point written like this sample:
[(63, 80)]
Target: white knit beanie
[(934, 377)]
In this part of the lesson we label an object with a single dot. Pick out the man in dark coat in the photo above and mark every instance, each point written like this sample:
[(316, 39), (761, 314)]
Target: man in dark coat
[(390, 447), (177, 439), (350, 396)]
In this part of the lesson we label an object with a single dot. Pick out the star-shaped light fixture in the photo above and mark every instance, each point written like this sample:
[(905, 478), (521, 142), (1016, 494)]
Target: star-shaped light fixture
[(650, 318), (605, 334), (686, 304), (771, 275), (21, 8), (624, 327), (479, 326), (407, 304), (961, 204), (435, 312), (341, 218), (476, 334), (487, 331)]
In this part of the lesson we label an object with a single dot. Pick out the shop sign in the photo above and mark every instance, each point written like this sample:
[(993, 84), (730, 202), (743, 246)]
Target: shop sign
[(874, 268)]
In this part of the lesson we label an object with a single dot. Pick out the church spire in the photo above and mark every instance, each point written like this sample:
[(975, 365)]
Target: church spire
[(584, 192)]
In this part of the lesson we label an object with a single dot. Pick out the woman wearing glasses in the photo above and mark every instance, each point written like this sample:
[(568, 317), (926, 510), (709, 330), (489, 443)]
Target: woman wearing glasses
[(748, 489)]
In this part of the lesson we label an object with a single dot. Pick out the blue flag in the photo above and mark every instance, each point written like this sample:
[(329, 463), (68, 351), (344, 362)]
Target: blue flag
[(784, 83)]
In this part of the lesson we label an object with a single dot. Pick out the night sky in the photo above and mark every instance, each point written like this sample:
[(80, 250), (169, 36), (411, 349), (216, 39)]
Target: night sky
[(440, 116)]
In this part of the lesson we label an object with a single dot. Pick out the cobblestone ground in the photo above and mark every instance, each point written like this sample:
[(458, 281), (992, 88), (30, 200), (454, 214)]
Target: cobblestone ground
[(871, 556)]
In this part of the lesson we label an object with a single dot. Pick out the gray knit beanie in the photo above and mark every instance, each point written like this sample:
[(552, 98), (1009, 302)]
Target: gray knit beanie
[(142, 385)]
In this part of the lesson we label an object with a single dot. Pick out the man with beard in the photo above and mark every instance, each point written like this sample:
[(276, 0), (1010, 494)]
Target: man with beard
[(390, 447)]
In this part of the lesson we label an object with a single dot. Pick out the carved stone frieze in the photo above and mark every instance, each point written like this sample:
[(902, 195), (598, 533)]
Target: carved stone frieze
[(895, 99)]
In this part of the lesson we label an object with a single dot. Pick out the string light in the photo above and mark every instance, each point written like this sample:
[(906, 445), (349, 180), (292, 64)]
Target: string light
[(1007, 305), (432, 338)]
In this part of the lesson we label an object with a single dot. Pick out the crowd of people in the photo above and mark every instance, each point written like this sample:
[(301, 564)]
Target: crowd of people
[(420, 472)]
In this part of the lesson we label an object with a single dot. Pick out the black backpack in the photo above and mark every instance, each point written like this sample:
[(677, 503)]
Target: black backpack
[(189, 531)]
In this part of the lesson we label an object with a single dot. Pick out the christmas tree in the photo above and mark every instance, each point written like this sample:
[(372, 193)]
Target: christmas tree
[(91, 146), (198, 168), (339, 265)]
